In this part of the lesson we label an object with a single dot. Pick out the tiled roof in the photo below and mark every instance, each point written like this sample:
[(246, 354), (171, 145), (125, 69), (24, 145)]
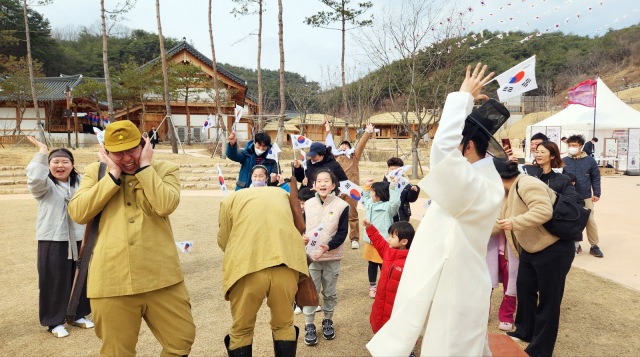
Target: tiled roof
[(185, 46), (55, 88)]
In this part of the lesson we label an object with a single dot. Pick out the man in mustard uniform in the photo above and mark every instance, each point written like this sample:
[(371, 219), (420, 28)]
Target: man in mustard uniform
[(134, 271), (261, 258)]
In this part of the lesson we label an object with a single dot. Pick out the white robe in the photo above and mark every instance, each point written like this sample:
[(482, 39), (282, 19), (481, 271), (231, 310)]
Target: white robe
[(445, 288)]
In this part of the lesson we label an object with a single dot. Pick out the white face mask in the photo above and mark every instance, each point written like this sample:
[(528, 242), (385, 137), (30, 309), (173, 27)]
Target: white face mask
[(573, 151), (259, 151), (259, 183)]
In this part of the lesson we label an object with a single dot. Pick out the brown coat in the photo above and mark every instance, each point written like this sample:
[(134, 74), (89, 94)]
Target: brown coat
[(350, 165), (527, 219)]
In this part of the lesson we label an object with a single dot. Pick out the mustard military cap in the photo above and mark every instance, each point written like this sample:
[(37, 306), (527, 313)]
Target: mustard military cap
[(121, 135)]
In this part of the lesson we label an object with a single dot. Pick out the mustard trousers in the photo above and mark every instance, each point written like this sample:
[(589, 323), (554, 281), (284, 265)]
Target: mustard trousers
[(279, 285), (166, 311)]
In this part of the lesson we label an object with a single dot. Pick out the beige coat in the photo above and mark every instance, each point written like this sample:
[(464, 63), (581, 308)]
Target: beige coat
[(257, 232), (134, 250), (351, 165), (527, 219), (328, 213)]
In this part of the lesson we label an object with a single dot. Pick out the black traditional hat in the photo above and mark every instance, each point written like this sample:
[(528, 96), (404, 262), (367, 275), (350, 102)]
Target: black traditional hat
[(487, 119)]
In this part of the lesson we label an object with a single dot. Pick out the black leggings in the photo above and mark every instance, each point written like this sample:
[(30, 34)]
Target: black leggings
[(373, 271)]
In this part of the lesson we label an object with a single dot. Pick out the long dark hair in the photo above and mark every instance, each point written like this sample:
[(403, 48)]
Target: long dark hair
[(382, 190), (73, 175)]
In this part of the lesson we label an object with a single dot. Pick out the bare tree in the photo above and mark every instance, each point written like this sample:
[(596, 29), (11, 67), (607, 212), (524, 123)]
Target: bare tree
[(302, 95), (283, 102), (363, 95), (167, 99), (113, 15), (31, 76), (217, 91), (414, 48), (244, 10), (17, 85), (341, 13)]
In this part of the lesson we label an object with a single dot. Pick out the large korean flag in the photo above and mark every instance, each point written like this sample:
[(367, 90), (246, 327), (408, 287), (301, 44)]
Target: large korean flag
[(300, 142), (519, 79)]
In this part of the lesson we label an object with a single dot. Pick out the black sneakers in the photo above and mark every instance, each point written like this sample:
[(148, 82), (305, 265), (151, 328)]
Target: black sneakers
[(310, 338), (596, 252), (327, 329)]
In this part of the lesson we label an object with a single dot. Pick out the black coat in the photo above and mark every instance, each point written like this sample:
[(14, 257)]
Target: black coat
[(406, 197), (588, 148), (559, 183), (328, 162), (153, 140)]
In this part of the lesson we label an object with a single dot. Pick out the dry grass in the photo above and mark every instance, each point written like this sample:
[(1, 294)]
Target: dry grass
[(599, 317)]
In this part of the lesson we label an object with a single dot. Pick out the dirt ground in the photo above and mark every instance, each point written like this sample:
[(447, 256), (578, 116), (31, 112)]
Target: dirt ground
[(599, 317)]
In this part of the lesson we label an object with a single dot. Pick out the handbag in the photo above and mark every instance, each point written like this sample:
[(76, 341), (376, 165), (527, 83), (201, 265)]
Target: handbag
[(569, 218), (84, 257)]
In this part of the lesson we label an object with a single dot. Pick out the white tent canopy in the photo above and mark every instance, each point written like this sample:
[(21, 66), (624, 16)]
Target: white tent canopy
[(611, 114)]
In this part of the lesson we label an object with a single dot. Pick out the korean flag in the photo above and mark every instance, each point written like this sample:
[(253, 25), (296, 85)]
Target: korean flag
[(519, 79), (351, 189), (223, 185), (300, 142)]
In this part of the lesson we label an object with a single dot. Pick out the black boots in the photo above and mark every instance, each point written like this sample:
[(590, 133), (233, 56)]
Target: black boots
[(286, 348), (280, 348), (244, 351)]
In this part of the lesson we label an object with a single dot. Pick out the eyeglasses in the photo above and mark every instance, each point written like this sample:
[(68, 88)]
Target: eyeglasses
[(117, 156)]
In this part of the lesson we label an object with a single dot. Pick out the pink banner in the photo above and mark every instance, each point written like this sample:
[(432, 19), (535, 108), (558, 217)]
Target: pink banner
[(584, 94)]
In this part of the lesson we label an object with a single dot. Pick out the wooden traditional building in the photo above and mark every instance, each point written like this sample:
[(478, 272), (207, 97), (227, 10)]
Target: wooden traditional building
[(54, 96), (190, 120), (392, 126)]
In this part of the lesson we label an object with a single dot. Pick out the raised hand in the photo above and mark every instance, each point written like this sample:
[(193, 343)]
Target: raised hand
[(296, 163), (232, 139), (273, 177), (369, 128), (114, 169), (369, 182), (473, 83), (305, 182), (40, 146), (147, 153)]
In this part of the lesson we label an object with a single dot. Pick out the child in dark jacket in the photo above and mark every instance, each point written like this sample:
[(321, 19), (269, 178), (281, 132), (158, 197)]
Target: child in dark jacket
[(394, 253)]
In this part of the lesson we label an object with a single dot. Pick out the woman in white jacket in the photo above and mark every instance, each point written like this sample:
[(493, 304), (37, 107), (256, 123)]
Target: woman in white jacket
[(53, 180)]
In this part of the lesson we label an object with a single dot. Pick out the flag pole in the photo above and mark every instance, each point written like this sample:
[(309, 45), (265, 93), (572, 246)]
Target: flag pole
[(595, 102)]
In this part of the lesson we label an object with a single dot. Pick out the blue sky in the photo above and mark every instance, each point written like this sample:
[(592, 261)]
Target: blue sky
[(307, 49)]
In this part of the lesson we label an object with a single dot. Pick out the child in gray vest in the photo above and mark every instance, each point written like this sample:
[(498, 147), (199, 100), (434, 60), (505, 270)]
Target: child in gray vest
[(328, 210)]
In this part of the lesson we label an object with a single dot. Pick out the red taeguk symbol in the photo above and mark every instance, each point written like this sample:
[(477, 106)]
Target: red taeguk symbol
[(315, 234), (517, 78), (301, 139), (355, 194), (221, 179)]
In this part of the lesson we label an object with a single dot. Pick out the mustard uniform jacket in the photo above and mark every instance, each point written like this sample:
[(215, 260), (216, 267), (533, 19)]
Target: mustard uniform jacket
[(257, 232), (134, 251)]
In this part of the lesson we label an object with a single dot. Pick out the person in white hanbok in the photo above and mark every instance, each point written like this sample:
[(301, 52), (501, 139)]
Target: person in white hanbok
[(445, 289)]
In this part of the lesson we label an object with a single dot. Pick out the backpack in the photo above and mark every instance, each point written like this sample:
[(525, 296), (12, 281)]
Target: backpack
[(569, 218)]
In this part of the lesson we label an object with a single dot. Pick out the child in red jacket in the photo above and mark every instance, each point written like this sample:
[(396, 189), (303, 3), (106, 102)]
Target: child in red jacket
[(393, 253)]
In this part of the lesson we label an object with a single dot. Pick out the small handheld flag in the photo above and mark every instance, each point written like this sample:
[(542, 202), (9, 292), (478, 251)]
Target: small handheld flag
[(184, 247), (304, 159), (399, 171), (351, 189), (99, 135), (313, 239), (208, 123), (521, 78), (238, 113), (401, 184), (273, 152), (223, 185), (300, 142)]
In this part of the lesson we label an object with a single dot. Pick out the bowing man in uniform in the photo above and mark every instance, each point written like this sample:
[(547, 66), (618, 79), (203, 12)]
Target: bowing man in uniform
[(445, 289)]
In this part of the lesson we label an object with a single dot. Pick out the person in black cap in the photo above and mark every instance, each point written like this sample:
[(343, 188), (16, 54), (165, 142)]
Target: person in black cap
[(319, 157), (446, 287)]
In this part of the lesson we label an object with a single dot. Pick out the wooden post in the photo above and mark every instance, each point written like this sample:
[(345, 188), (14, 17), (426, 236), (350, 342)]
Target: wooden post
[(75, 124), (68, 119)]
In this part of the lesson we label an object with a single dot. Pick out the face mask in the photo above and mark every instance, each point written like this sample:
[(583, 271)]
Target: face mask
[(259, 183), (314, 162), (259, 152), (573, 151)]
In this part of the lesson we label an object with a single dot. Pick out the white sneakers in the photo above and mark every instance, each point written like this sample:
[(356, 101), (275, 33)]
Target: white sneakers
[(319, 308), (83, 323), (355, 245), (297, 310), (60, 332)]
